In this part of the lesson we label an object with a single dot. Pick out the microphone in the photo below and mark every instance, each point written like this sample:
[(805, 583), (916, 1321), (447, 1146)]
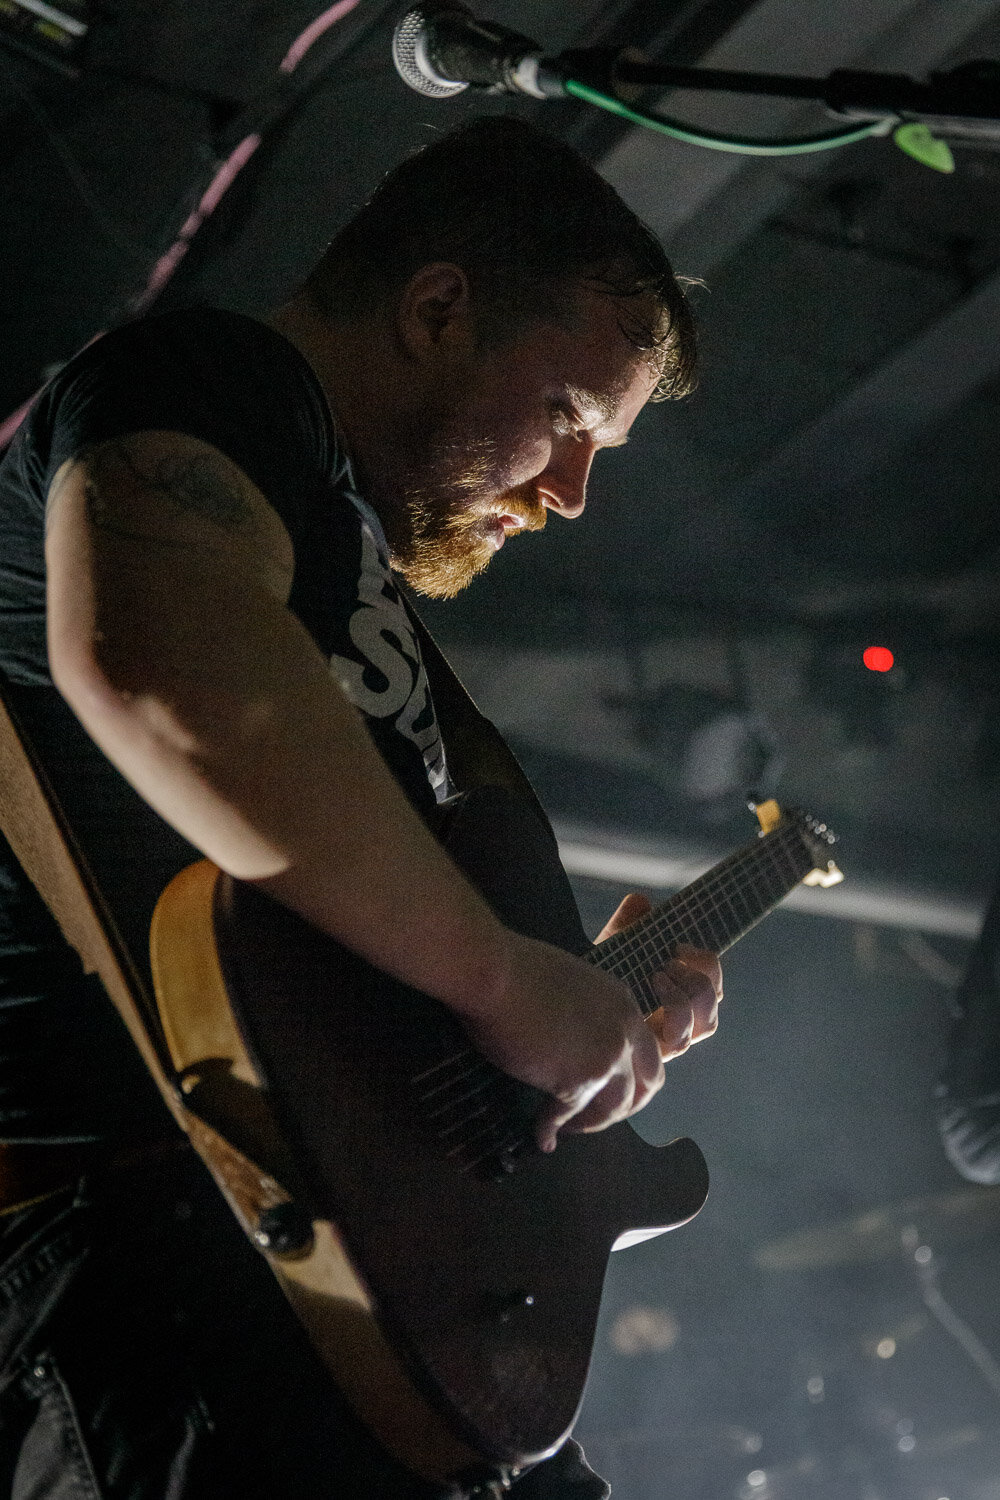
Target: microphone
[(440, 48)]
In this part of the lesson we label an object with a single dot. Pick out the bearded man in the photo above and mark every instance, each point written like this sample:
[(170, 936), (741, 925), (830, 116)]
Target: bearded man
[(213, 655)]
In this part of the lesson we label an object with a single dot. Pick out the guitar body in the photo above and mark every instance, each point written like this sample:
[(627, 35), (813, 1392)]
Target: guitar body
[(466, 1268)]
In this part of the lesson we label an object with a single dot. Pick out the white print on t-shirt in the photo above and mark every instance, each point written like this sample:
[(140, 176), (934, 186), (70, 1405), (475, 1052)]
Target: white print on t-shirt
[(380, 629)]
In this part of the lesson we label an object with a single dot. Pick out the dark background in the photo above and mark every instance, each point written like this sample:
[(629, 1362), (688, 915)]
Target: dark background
[(831, 485)]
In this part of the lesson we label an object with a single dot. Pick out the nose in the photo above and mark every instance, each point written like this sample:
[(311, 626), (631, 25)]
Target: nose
[(562, 486)]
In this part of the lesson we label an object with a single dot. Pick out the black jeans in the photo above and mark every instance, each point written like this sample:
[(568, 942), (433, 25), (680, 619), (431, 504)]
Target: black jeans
[(146, 1353)]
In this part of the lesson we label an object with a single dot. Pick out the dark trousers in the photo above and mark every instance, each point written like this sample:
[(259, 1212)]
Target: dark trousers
[(146, 1353), (969, 1090)]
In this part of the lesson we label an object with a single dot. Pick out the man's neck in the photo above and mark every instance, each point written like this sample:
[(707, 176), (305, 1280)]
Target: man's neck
[(342, 359)]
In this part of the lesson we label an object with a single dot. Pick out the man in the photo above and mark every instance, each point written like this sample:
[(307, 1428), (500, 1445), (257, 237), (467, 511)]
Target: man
[(216, 607), (968, 1092)]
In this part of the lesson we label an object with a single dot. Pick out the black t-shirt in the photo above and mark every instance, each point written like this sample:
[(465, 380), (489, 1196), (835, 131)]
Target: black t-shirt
[(67, 1070)]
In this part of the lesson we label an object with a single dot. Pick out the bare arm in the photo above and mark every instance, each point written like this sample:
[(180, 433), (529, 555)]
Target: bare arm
[(170, 639), (169, 636)]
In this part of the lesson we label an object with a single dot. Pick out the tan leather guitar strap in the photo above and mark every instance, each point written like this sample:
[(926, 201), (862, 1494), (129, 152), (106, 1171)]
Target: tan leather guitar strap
[(43, 842)]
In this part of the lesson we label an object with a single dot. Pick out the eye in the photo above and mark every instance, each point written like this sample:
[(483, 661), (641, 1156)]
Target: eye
[(565, 421)]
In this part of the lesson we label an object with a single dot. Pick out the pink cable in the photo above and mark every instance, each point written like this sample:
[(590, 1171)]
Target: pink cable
[(301, 45), (234, 163), (171, 259), (220, 183)]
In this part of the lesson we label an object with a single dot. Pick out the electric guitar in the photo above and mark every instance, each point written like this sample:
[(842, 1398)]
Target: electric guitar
[(448, 1273)]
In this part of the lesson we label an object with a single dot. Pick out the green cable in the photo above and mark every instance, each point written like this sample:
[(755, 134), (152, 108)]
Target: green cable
[(780, 147)]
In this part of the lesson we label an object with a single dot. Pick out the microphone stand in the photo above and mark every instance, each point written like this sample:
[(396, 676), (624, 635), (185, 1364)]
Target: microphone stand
[(440, 48), (963, 104)]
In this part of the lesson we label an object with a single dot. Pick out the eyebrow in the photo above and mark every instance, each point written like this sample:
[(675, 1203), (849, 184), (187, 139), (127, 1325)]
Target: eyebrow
[(589, 403)]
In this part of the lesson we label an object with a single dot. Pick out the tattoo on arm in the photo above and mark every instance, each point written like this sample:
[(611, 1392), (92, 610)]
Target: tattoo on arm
[(194, 484)]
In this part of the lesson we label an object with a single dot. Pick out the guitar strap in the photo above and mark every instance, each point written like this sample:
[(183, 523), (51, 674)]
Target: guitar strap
[(43, 842)]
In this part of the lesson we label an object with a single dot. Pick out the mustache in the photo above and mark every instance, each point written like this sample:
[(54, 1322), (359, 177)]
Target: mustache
[(524, 505)]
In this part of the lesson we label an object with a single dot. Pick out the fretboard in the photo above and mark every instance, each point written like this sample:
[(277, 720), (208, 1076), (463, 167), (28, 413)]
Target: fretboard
[(713, 912)]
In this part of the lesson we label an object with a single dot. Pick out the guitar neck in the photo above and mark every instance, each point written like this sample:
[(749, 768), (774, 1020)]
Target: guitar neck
[(714, 912)]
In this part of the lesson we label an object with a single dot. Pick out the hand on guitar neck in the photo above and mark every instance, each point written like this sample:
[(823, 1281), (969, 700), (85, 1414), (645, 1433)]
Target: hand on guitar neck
[(689, 1006)]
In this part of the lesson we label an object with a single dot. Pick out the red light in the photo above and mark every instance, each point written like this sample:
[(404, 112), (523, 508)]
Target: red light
[(878, 659)]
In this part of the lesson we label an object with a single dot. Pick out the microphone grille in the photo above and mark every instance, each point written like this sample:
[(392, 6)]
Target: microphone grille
[(409, 52)]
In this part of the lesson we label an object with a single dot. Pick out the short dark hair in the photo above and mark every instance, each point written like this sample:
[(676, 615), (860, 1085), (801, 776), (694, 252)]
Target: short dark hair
[(525, 216)]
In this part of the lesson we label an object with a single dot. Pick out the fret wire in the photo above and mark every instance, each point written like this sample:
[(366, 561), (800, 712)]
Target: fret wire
[(721, 880), (646, 996), (735, 878), (646, 946), (726, 899), (677, 916)]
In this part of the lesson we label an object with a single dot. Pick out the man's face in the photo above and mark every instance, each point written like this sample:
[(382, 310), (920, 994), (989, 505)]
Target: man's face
[(513, 437)]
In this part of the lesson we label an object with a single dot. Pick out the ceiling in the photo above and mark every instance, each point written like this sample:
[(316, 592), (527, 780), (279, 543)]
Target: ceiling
[(831, 485)]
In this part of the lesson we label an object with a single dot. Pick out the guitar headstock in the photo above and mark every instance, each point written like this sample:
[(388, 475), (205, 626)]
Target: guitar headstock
[(816, 837)]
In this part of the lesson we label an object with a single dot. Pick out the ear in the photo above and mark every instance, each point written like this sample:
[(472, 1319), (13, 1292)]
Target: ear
[(434, 315)]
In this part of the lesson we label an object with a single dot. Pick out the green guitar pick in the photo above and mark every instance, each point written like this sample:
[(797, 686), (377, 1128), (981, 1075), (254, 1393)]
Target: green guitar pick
[(917, 141)]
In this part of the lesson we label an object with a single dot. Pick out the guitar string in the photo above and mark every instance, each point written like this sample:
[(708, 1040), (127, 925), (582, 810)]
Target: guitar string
[(467, 1167), (706, 897), (706, 920), (636, 955), (679, 920), (419, 1077), (626, 947), (695, 914), (463, 1122), (450, 1104), (723, 882), (499, 1144), (700, 905), (768, 867), (712, 919), (501, 1139)]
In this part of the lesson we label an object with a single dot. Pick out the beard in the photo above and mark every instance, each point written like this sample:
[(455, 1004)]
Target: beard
[(441, 532)]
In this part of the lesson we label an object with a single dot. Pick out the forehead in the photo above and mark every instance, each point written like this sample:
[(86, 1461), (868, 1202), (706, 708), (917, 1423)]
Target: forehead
[(590, 352)]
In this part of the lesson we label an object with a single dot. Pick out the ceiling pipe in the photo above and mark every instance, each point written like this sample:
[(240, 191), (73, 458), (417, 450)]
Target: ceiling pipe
[(588, 854)]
